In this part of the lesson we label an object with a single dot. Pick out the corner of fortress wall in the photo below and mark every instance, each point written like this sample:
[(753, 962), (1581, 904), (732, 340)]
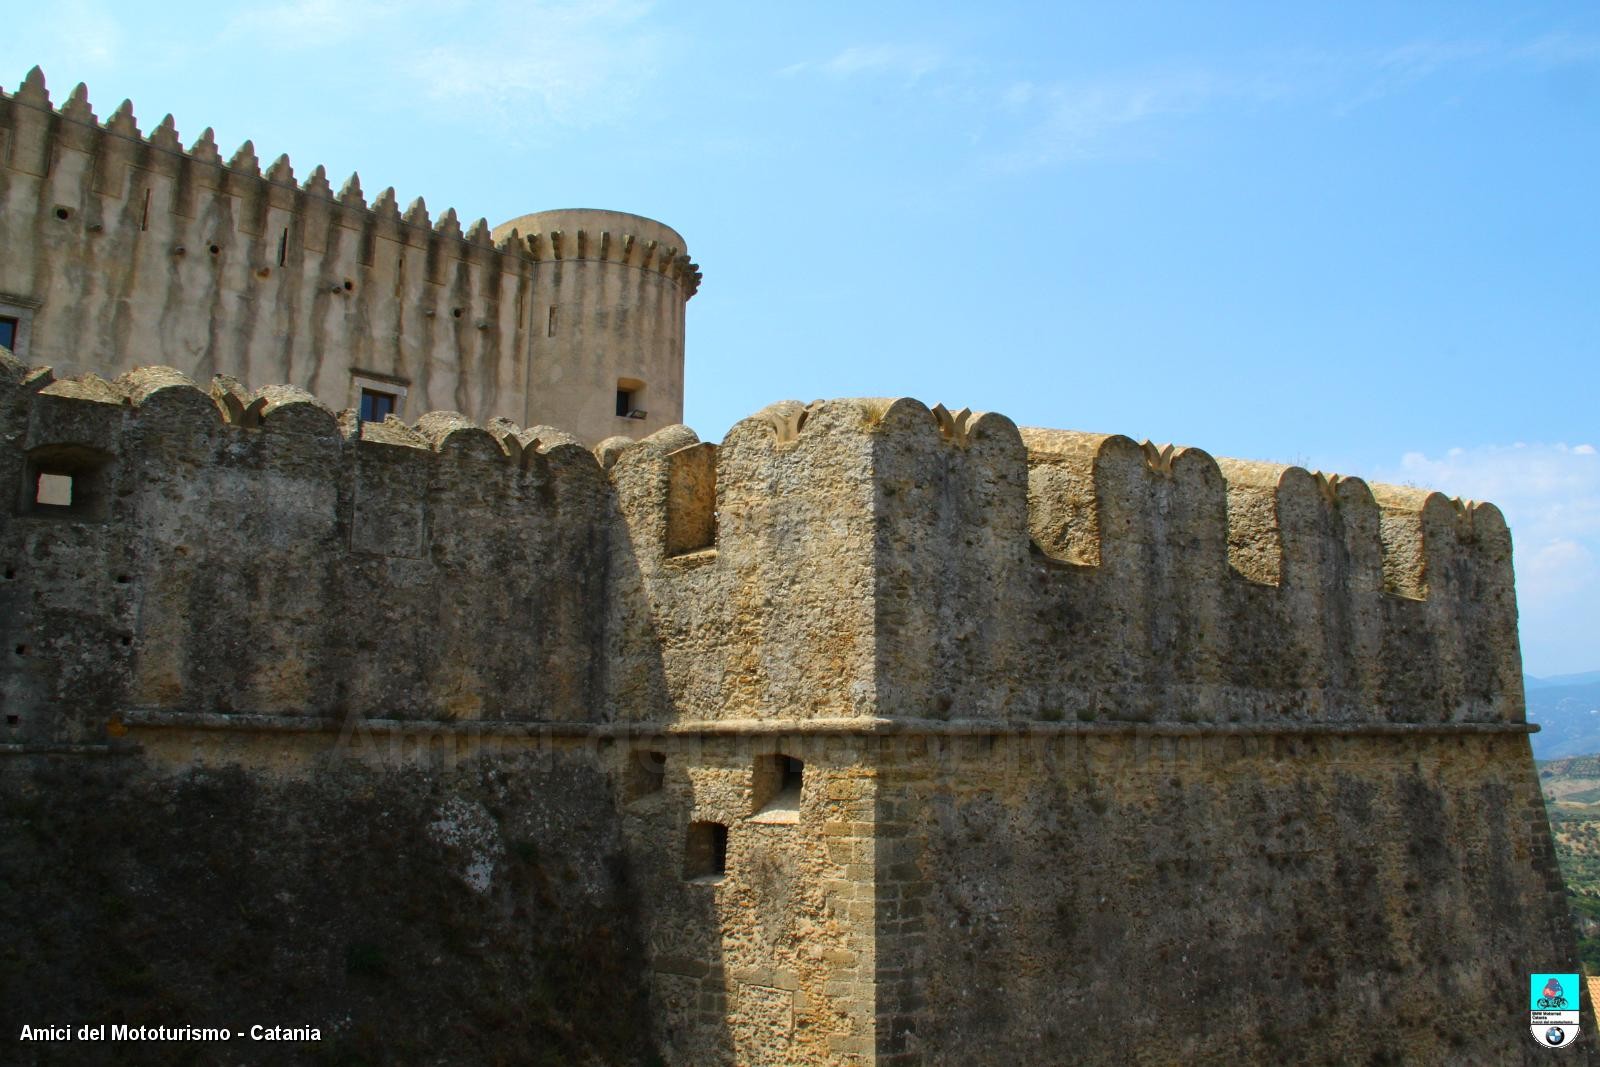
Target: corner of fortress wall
[(238, 552)]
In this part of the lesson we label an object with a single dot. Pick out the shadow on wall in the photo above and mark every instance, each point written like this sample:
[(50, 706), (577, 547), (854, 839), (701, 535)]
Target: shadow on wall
[(482, 913)]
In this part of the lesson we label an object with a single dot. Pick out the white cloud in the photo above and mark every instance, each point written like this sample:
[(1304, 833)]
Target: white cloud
[(1074, 121), (507, 64), (908, 61), (576, 63), (1559, 50), (1066, 120), (1550, 494), (1040, 122), (301, 24), (1552, 490)]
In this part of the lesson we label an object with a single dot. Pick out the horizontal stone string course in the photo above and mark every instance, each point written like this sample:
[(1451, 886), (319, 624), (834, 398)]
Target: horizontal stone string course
[(202, 720)]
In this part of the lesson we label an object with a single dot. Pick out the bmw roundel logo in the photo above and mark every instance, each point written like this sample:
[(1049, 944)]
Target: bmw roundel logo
[(1555, 1035)]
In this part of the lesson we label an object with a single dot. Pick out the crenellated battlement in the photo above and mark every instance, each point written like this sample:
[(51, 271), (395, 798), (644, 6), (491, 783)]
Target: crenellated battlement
[(626, 249), (867, 560)]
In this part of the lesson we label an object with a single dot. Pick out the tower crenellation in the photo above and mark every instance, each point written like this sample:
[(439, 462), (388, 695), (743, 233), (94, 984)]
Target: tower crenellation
[(303, 273)]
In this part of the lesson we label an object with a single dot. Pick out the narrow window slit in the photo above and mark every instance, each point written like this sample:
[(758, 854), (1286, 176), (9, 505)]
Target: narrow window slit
[(706, 852)]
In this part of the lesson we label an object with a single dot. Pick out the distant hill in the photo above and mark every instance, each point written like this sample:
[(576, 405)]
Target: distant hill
[(1585, 678), (1567, 710)]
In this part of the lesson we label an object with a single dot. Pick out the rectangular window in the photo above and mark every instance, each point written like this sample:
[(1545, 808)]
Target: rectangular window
[(376, 405), (630, 394), (8, 332), (706, 853), (644, 773), (775, 785)]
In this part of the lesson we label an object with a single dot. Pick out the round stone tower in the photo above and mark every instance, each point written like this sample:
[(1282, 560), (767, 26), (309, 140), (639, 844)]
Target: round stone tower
[(605, 351)]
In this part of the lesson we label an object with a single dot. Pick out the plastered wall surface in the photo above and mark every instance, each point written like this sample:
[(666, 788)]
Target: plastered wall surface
[(124, 248)]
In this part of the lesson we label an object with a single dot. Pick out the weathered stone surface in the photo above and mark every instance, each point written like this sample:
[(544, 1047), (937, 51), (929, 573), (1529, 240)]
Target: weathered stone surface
[(1244, 899), (411, 910), (997, 725)]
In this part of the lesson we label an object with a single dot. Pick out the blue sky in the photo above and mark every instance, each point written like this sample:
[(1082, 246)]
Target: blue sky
[(1359, 237)]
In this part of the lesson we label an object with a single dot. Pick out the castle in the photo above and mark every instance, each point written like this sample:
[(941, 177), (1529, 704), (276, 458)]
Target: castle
[(120, 246), (873, 733)]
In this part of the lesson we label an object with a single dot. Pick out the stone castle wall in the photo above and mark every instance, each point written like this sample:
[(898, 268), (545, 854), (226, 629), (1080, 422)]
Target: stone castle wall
[(121, 246), (925, 571), (1081, 723)]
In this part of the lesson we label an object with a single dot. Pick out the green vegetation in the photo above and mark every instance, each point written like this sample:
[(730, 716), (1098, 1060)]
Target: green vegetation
[(1572, 800)]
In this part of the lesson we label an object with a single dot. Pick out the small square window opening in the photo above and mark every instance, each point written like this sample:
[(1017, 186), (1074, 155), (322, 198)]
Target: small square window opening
[(376, 405), (67, 482), (54, 490), (776, 784), (644, 773), (630, 393), (706, 854)]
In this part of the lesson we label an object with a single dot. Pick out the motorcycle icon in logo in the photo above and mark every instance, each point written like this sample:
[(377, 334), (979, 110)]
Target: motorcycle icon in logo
[(1553, 1008)]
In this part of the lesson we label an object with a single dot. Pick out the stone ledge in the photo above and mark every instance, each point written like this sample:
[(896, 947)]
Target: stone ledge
[(113, 749), (205, 720)]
